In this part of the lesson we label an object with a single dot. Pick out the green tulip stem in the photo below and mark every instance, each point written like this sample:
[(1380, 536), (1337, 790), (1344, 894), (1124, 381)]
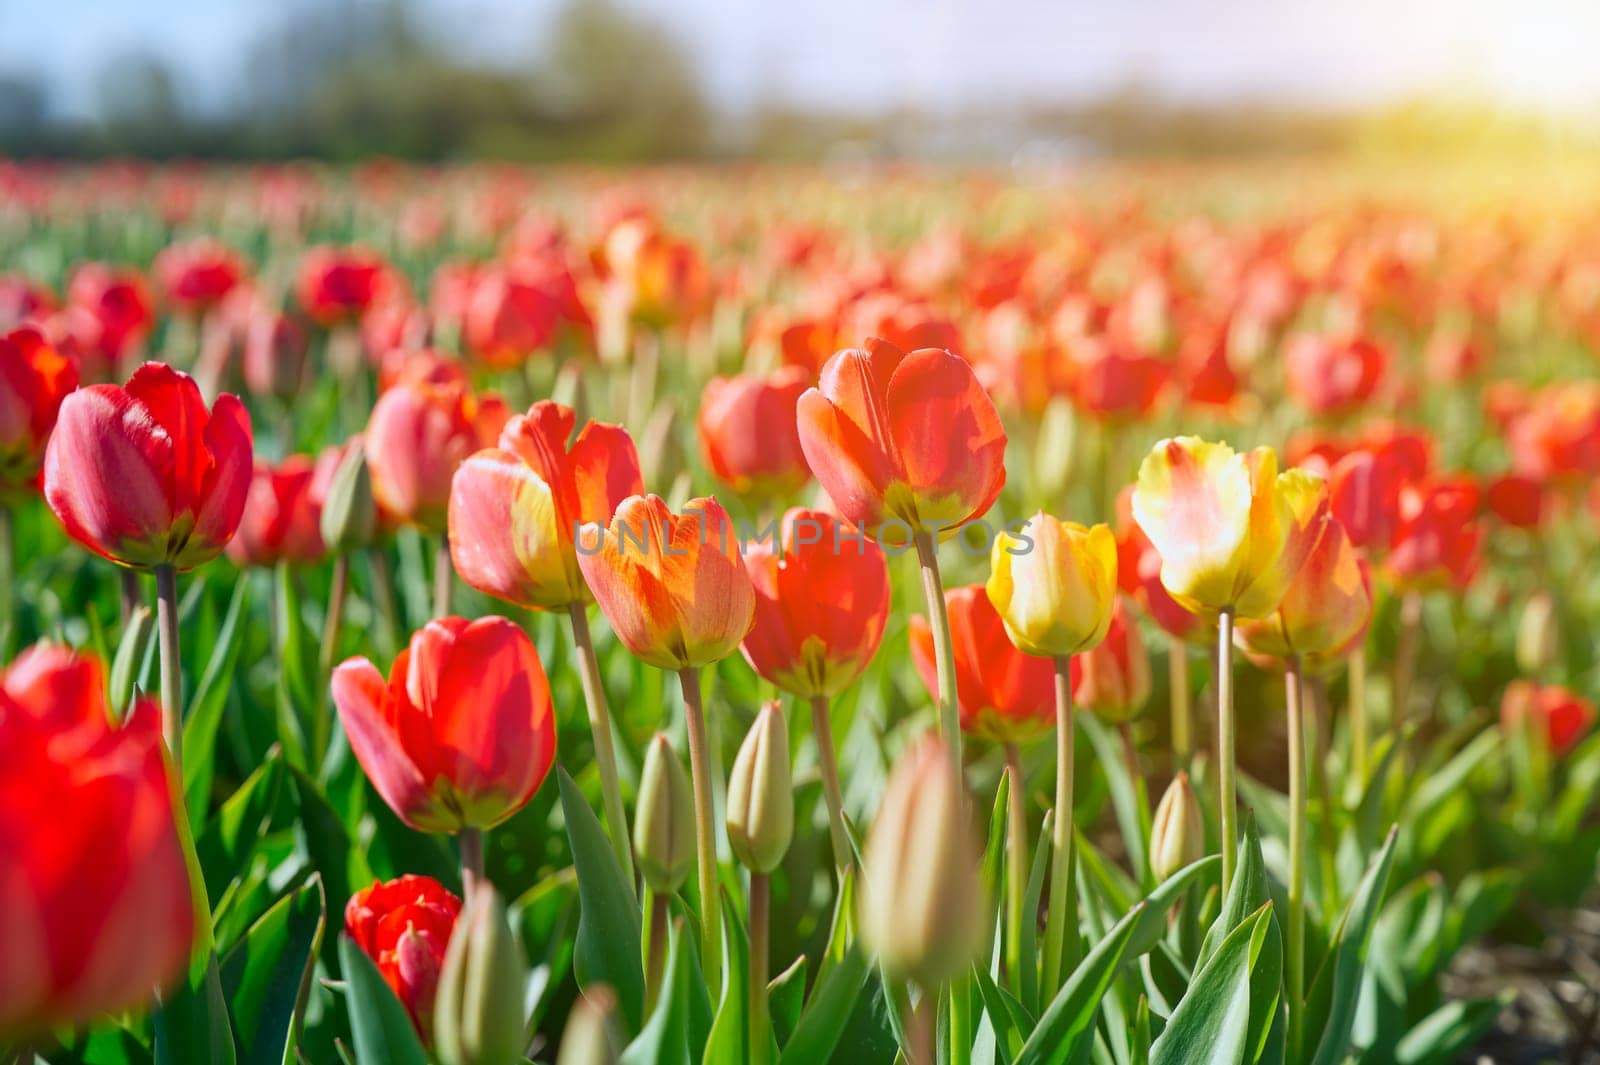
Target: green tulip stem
[(1061, 922), (605, 754), (828, 767), (334, 619), (704, 824), (132, 594), (1178, 681), (655, 963), (171, 664), (943, 655), (471, 840), (444, 571), (1016, 868), (1296, 935), (1405, 665), (760, 910), (384, 605), (1358, 713), (1228, 804)]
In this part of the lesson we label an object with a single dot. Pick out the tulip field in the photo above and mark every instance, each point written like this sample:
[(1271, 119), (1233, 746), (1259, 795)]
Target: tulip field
[(481, 615)]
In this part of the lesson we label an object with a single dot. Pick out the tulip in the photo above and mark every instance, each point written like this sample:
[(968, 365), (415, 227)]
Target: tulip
[(420, 431), (1517, 500), (1364, 490), (406, 926), (921, 908), (274, 355), (822, 602), (117, 314), (663, 831), (749, 436), (462, 733), (1054, 585), (341, 487), (1232, 532), (281, 521), (1325, 609), (1539, 635), (197, 274), (1178, 831), (23, 299), (478, 1012), (1112, 678), (508, 316), (1555, 717), (146, 476), (96, 910), (1330, 375), (1005, 696), (1437, 541), (590, 1036), (337, 285), (677, 595), (34, 379)]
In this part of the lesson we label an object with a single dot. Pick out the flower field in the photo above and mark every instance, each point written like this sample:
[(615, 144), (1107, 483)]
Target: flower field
[(477, 615)]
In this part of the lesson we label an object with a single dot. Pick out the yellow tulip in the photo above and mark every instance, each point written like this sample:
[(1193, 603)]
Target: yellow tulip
[(1054, 584)]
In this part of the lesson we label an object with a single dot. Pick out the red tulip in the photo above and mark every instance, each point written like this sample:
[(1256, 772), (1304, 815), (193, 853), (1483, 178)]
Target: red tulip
[(337, 285), (1112, 678), (903, 443), (196, 274), (420, 431), (462, 733), (1555, 717), (508, 317), (1111, 379), (822, 601), (119, 305), (1437, 540), (1517, 500), (96, 912), (22, 299), (673, 586), (404, 925), (34, 379), (275, 350), (1004, 695), (145, 475), (282, 517), (514, 509), (748, 432), (1331, 375)]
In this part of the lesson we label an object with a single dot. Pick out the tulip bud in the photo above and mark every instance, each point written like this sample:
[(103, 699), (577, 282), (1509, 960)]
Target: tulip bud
[(760, 797), (1538, 635), (590, 1037), (130, 656), (922, 908), (478, 1012), (1177, 836), (1054, 585), (349, 514), (663, 830)]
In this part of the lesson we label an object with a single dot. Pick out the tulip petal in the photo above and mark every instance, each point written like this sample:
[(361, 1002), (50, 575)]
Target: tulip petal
[(505, 537), (948, 436), (226, 488), (361, 696)]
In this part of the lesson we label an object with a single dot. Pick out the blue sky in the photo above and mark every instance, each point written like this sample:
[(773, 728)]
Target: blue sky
[(931, 53)]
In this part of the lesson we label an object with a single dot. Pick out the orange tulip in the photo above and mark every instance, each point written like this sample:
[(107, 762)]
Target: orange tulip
[(672, 586), (1326, 608), (822, 602), (1004, 695), (421, 430), (748, 433), (462, 733), (515, 508), (96, 911), (903, 443), (1112, 678)]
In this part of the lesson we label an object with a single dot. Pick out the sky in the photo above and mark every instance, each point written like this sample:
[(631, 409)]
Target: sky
[(935, 54)]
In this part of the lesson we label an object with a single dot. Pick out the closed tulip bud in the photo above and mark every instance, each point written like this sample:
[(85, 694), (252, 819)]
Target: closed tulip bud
[(406, 926), (760, 794), (1003, 695), (590, 1037), (673, 586), (663, 827), (349, 513), (1178, 833), (1539, 635), (1054, 585), (903, 443), (1231, 530), (922, 908), (478, 1012), (1112, 679), (145, 475), (462, 733), (1325, 609)]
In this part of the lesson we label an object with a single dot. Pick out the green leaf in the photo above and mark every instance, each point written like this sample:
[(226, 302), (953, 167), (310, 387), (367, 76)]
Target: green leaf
[(1042, 857), (1245, 895), (1058, 1037), (828, 1010), (607, 948), (381, 1027), (326, 841), (224, 848), (132, 650), (268, 975), (786, 996), (191, 1022), (210, 697), (729, 1041), (1131, 818), (1447, 1032), (1224, 1015), (1331, 1004), (1008, 1018), (664, 1040)]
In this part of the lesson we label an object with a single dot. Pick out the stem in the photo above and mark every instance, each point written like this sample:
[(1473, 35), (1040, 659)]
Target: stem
[(921, 1021), (471, 860), (383, 601), (760, 906), (1296, 935), (1319, 742), (828, 766), (335, 616), (132, 594), (1061, 922), (1405, 663), (1358, 713), (1178, 681), (605, 755), (656, 949), (704, 825), (1141, 795), (1016, 870), (443, 571), (944, 659), (1225, 756), (171, 664), (8, 571)]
